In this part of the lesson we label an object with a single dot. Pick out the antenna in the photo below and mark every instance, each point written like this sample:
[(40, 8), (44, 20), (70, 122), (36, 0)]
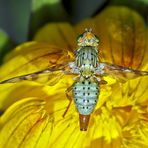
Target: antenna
[(88, 29)]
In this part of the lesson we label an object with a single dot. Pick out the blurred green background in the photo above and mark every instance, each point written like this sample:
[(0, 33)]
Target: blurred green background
[(19, 19), (14, 18), (15, 14)]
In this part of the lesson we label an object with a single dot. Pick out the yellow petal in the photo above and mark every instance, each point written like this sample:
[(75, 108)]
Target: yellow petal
[(11, 93), (130, 93), (121, 113), (122, 32), (123, 36), (60, 34), (31, 57), (30, 120)]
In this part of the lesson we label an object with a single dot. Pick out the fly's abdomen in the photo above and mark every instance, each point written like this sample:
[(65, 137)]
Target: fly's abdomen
[(85, 96)]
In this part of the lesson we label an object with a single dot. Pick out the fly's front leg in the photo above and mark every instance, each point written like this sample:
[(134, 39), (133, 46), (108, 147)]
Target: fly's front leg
[(100, 81)]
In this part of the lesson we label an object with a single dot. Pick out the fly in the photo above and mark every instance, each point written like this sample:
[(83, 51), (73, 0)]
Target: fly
[(89, 71)]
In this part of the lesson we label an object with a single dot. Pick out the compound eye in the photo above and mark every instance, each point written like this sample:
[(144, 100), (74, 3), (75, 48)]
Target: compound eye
[(79, 38), (97, 39)]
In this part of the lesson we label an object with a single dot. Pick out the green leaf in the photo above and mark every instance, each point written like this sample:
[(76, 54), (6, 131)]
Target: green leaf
[(3, 39), (5, 44), (44, 11)]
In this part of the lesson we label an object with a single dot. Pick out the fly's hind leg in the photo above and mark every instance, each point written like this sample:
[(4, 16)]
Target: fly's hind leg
[(69, 98)]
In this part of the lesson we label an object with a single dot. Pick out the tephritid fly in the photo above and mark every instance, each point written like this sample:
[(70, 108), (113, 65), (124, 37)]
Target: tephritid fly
[(89, 70), (86, 87)]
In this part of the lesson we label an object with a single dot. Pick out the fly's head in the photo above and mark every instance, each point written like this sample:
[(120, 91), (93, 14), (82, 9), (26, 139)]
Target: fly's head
[(87, 38)]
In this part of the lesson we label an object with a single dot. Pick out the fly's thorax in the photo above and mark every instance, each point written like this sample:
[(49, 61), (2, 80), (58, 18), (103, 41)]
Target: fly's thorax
[(87, 56), (86, 92)]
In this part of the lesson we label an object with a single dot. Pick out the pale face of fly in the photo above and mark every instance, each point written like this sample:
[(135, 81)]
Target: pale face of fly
[(87, 39)]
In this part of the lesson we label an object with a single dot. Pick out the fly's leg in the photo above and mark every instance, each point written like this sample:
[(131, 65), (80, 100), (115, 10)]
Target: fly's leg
[(69, 98), (101, 81)]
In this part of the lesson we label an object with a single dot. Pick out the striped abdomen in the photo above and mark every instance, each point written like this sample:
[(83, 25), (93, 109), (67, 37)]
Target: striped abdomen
[(85, 92)]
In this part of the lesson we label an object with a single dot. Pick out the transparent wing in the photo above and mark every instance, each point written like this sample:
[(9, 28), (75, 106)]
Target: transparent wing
[(120, 73), (46, 76), (123, 42), (35, 61)]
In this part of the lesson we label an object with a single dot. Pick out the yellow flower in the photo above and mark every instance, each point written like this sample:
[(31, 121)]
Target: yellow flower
[(33, 111)]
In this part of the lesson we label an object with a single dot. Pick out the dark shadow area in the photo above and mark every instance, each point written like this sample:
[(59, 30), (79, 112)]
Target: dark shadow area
[(103, 6), (1, 112), (7, 47), (47, 13), (80, 10), (14, 17)]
